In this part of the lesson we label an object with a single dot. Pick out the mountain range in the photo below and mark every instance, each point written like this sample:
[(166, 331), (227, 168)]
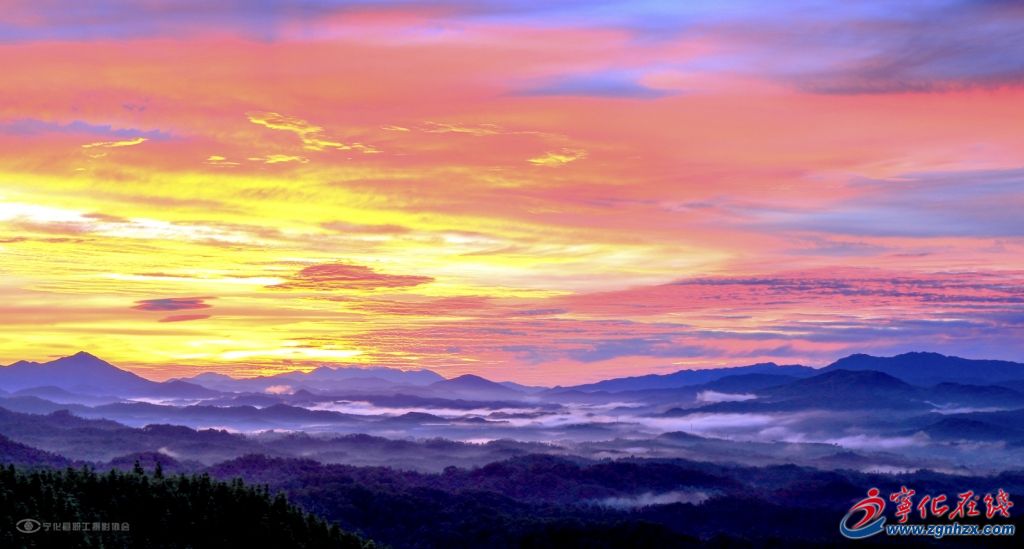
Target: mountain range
[(86, 374), (684, 378), (873, 411), (322, 378)]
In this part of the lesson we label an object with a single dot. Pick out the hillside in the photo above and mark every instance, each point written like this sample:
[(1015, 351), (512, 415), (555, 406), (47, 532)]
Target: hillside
[(684, 378), (84, 373), (181, 511)]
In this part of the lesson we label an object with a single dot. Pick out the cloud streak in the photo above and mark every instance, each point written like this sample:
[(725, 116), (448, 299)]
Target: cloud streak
[(183, 318), (313, 137), (560, 158), (115, 144), (342, 276), (172, 304)]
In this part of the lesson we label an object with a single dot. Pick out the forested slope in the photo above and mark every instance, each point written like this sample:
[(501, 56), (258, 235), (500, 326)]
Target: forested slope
[(158, 511)]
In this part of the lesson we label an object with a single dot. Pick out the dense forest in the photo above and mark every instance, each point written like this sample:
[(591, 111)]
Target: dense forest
[(547, 501), (82, 508), (535, 501)]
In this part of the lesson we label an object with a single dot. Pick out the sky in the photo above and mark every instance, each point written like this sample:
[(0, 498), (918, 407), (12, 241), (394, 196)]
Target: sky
[(543, 192)]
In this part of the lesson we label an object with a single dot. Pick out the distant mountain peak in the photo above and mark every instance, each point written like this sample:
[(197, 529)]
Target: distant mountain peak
[(838, 386), (928, 368), (923, 354), (866, 377), (81, 358), (23, 364), (470, 380), (467, 378), (84, 373), (470, 383)]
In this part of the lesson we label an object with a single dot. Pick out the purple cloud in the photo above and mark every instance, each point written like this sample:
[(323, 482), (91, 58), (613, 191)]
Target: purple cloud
[(172, 304)]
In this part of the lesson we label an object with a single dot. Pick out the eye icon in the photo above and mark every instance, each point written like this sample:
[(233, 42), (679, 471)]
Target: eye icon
[(27, 526)]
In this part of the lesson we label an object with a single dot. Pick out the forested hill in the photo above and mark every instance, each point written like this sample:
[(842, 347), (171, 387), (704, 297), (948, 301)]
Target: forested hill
[(178, 511)]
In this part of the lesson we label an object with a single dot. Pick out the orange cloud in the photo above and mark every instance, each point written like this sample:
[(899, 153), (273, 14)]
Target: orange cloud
[(280, 159), (312, 137), (116, 144), (559, 158)]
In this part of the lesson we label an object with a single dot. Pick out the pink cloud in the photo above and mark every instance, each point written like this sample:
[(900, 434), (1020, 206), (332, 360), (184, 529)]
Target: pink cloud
[(183, 318), (341, 276)]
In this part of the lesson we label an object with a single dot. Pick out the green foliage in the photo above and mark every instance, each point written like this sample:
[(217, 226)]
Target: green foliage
[(180, 511)]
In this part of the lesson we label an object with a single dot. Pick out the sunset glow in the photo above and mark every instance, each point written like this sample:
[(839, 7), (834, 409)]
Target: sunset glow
[(532, 192)]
